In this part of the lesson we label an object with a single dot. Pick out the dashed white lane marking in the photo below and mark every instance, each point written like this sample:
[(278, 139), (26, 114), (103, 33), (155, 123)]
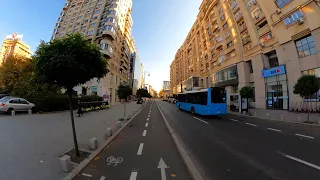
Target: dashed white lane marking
[(274, 129), (301, 135), (140, 149), (133, 175), (302, 161), (148, 115), (102, 178), (251, 124), (234, 120), (201, 120), (144, 133), (147, 124), (88, 175), (147, 119)]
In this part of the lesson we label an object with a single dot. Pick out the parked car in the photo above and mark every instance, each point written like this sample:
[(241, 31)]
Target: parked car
[(172, 100), (3, 95), (8, 104)]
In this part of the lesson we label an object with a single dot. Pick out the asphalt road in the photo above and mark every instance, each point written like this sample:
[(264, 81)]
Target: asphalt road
[(233, 147), (144, 150)]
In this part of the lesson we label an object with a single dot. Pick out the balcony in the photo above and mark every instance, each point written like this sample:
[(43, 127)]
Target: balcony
[(259, 17), (243, 27), (246, 40), (264, 30)]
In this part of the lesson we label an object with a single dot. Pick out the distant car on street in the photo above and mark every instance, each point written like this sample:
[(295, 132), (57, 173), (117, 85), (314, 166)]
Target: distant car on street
[(9, 103)]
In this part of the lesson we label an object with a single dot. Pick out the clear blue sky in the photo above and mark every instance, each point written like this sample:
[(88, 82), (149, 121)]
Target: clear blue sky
[(159, 28)]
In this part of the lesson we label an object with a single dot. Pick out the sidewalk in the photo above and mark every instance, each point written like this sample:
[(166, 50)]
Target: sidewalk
[(283, 115), (31, 144)]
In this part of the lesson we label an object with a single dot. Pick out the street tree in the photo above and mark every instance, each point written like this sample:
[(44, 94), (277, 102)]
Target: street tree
[(68, 62), (142, 93), (307, 86), (248, 93), (161, 93), (123, 92)]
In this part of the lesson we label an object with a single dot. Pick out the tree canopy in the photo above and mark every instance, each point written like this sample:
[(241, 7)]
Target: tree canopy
[(247, 92), (143, 93), (306, 86), (161, 93), (69, 61), (124, 91)]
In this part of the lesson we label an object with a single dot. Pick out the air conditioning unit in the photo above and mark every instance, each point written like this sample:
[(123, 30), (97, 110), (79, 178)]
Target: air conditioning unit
[(300, 21), (278, 11), (256, 16), (262, 44)]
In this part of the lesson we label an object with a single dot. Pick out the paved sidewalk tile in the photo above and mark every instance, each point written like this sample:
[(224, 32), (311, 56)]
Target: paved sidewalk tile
[(31, 144)]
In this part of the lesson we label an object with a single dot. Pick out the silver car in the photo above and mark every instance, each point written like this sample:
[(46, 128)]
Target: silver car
[(8, 103)]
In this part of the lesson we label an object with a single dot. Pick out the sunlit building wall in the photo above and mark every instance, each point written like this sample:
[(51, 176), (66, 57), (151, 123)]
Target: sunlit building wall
[(107, 23), (264, 44), (14, 46)]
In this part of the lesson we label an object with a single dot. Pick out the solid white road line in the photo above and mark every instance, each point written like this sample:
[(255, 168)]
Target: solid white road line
[(102, 178), (251, 124), (133, 175), (301, 135), (234, 120), (88, 175), (274, 129), (302, 161), (147, 119), (147, 124), (140, 149), (201, 120), (144, 133)]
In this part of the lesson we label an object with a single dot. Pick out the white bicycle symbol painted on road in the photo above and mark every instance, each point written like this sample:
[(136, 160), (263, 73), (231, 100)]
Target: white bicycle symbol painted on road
[(112, 160)]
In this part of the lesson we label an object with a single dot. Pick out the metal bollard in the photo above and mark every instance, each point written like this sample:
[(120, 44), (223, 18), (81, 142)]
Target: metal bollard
[(109, 132), (299, 118), (65, 163), (13, 113), (281, 117), (118, 124), (30, 111), (93, 143)]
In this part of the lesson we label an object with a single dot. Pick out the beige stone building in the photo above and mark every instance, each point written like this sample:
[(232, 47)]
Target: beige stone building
[(107, 23), (260, 43), (14, 46)]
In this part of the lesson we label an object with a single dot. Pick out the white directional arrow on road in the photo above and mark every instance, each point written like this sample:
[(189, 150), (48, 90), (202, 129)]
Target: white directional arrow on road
[(162, 165)]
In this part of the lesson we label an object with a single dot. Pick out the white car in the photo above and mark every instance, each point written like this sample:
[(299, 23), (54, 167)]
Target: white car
[(8, 104), (172, 100)]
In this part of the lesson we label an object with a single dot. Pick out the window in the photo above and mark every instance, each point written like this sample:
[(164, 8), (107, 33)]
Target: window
[(250, 66), (219, 39), (230, 44), (94, 18), (261, 25), (83, 28), (218, 95), (85, 21), (227, 34), (93, 24), (221, 59), (90, 32), (111, 20), (305, 46), (282, 3), (225, 25), (238, 15), (251, 3), (222, 18), (273, 58), (96, 11), (293, 18), (220, 10), (103, 46)]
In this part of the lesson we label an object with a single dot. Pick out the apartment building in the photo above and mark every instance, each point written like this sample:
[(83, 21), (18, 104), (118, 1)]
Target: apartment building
[(14, 46), (107, 23), (264, 44)]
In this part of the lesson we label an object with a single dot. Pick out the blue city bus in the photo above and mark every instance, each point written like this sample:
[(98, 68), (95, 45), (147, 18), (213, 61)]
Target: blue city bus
[(211, 101)]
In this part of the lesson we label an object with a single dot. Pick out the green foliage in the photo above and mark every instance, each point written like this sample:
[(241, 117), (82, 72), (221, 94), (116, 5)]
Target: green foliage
[(69, 61), (90, 98), (143, 93), (124, 91), (247, 92), (306, 86), (17, 78)]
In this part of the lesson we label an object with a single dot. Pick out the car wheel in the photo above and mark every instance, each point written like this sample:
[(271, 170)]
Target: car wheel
[(192, 110), (33, 110), (9, 111), (179, 107)]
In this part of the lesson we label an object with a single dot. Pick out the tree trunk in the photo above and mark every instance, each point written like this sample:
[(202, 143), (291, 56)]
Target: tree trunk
[(124, 112), (248, 105), (72, 123), (308, 111)]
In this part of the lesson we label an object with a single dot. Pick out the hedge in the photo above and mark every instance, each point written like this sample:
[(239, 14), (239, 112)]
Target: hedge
[(49, 103)]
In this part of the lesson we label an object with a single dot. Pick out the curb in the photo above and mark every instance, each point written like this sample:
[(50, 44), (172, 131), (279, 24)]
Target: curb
[(85, 162), (315, 125), (193, 171)]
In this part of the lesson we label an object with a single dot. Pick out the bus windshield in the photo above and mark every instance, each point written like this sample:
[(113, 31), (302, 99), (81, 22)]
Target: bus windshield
[(218, 95)]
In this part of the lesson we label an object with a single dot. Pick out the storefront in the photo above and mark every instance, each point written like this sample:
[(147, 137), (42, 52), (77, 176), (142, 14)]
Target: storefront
[(276, 85)]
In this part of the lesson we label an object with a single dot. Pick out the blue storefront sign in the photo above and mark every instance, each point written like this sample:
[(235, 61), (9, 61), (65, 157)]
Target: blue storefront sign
[(273, 71), (94, 88)]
